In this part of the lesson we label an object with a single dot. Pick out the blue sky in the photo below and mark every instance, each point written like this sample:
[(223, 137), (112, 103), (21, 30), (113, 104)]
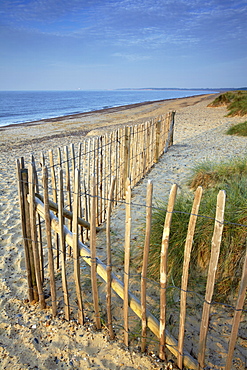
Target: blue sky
[(108, 44)]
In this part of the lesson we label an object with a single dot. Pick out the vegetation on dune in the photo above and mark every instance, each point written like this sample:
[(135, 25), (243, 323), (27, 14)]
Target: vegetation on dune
[(235, 101), (239, 129), (232, 177)]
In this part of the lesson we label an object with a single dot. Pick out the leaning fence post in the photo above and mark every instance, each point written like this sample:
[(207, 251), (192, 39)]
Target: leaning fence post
[(213, 263), (62, 244), (163, 269), (185, 274), (24, 230), (145, 264), (157, 143), (126, 157), (109, 266), (75, 245), (49, 241), (93, 254), (171, 121), (237, 315), (34, 236), (127, 261)]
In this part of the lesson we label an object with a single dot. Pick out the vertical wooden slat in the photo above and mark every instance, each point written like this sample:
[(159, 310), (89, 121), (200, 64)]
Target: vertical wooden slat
[(109, 265), (72, 150), (145, 264), (62, 244), (28, 231), (157, 143), (54, 195), (24, 230), (93, 255), (163, 269), (49, 241), (80, 197), (68, 188), (215, 251), (39, 234), (237, 315), (34, 236), (185, 274), (101, 158), (126, 157), (75, 246), (127, 262)]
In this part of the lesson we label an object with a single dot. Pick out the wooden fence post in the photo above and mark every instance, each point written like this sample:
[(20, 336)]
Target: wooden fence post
[(185, 274), (157, 143), (237, 315), (163, 269), (75, 245), (24, 221), (109, 265), (36, 254), (126, 157), (145, 264), (49, 241), (213, 263), (62, 244), (127, 261), (93, 254)]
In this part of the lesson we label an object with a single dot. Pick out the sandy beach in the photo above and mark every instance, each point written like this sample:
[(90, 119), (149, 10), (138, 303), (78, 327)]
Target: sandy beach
[(29, 337)]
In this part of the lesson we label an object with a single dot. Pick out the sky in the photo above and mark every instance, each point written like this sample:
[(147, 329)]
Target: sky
[(110, 44)]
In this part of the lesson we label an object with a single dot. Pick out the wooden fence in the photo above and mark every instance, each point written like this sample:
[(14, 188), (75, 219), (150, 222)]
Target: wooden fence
[(56, 227)]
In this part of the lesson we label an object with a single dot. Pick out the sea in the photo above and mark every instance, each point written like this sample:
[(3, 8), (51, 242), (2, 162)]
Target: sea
[(26, 106)]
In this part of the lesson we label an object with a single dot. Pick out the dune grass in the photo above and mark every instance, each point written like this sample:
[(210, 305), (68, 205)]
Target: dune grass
[(232, 177), (235, 101), (239, 129)]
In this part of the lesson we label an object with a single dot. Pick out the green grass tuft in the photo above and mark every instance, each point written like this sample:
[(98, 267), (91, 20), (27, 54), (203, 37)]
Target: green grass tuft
[(235, 101), (240, 129), (232, 177)]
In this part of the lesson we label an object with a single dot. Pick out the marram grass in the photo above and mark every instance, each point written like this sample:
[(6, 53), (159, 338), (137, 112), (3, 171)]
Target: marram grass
[(232, 177), (235, 101)]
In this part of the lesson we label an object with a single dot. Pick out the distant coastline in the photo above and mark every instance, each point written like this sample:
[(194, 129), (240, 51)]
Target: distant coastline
[(184, 89)]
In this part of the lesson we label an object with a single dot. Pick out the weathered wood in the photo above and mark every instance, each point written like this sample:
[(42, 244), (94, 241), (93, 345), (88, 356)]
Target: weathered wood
[(169, 141), (54, 207), (163, 269), (127, 261), (54, 195), (49, 241), (126, 156), (237, 315), (145, 264), (185, 274), (28, 232), (60, 231), (157, 143), (118, 287), (35, 248), (93, 255), (24, 231), (213, 263), (68, 187), (39, 233), (75, 246), (109, 263)]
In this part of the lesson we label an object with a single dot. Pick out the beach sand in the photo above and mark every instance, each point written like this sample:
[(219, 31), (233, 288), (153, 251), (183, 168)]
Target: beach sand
[(29, 337)]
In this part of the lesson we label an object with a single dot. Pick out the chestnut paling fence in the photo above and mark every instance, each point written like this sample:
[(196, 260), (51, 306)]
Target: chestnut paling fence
[(62, 211)]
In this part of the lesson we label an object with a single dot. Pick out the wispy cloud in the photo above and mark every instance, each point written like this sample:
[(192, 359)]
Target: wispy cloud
[(132, 57)]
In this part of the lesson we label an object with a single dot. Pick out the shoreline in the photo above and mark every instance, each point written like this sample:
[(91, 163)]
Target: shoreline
[(92, 123), (101, 111), (30, 336)]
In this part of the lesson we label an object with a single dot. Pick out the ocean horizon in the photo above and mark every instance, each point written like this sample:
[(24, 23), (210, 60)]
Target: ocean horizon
[(18, 107)]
